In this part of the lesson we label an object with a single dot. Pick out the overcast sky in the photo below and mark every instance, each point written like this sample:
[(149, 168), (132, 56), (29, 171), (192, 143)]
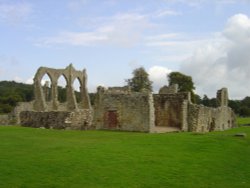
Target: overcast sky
[(206, 39)]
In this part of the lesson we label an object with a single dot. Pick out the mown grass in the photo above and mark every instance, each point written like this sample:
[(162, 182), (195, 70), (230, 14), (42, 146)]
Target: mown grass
[(51, 158), (243, 120)]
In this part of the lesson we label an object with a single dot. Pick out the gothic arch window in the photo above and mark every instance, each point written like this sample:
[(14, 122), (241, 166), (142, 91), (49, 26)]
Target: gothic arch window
[(77, 90), (61, 88), (46, 87)]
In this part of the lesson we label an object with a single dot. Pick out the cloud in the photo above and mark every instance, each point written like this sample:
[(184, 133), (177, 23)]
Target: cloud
[(223, 62), (158, 75), (74, 39), (14, 13), (168, 12), (123, 30)]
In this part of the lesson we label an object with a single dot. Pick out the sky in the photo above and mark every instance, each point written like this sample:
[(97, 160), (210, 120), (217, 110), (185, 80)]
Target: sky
[(206, 39)]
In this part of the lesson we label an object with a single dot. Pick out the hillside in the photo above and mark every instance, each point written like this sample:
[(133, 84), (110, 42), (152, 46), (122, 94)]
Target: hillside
[(12, 92)]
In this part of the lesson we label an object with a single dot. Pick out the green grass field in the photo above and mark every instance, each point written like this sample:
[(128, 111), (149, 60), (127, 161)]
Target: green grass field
[(52, 158), (243, 120)]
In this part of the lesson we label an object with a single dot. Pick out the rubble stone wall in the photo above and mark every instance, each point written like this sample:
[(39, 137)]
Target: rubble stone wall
[(79, 120), (206, 119), (4, 119), (127, 112), (171, 110)]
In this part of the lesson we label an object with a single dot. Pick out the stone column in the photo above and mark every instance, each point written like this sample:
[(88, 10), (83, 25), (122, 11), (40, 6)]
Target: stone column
[(85, 101), (39, 104), (54, 95), (71, 99)]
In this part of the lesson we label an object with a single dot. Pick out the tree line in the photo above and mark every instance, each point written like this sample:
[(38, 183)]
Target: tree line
[(11, 92)]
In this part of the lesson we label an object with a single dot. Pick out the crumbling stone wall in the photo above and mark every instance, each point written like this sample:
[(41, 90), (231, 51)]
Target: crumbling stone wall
[(79, 120), (222, 97), (52, 114), (169, 89), (22, 106), (5, 119), (171, 110), (207, 119), (70, 75), (128, 112)]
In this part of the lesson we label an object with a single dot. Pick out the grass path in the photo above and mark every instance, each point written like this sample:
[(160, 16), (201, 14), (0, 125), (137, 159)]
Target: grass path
[(51, 158)]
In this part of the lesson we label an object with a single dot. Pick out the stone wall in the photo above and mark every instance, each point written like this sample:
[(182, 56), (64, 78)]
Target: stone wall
[(169, 89), (206, 119), (171, 110), (79, 120), (4, 119), (22, 106), (127, 112)]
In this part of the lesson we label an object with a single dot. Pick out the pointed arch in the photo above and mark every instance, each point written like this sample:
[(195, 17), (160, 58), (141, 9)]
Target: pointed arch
[(46, 83), (61, 88), (77, 89)]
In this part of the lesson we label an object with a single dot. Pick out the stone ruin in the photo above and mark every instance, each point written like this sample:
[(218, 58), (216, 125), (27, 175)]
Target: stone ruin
[(118, 108), (51, 113)]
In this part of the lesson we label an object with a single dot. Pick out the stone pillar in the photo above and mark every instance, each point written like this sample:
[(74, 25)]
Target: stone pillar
[(222, 97), (54, 95), (71, 99), (84, 92), (39, 103)]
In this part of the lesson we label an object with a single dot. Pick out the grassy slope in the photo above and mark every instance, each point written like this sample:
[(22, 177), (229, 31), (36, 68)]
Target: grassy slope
[(51, 158)]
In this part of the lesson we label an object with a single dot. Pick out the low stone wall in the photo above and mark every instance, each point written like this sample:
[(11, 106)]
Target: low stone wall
[(4, 119), (21, 106), (206, 119), (79, 120), (127, 112)]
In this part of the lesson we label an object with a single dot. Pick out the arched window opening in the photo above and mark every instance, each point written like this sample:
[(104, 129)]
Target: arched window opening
[(61, 88), (46, 85), (77, 90)]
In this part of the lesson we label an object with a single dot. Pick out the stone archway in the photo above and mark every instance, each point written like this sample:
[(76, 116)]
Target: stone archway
[(70, 75)]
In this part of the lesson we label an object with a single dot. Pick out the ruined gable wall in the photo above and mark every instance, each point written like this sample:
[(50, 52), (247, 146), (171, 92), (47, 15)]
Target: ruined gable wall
[(128, 112), (205, 119), (171, 110)]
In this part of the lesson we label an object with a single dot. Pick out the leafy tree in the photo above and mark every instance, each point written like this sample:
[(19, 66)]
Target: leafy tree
[(184, 82), (244, 111), (246, 102), (235, 105), (140, 80)]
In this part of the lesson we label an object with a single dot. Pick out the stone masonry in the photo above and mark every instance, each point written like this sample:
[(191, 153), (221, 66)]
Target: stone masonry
[(118, 108), (52, 114), (123, 111)]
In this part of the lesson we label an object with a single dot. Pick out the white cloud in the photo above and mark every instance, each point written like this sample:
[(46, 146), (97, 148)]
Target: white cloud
[(158, 75), (123, 30), (224, 62), (238, 28), (168, 12), (29, 81), (74, 38), (14, 13)]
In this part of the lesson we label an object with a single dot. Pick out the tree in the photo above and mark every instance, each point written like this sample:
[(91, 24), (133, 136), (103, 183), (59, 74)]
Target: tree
[(140, 81), (184, 82)]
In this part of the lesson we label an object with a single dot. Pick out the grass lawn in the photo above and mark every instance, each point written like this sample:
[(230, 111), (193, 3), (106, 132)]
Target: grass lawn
[(51, 158), (243, 120)]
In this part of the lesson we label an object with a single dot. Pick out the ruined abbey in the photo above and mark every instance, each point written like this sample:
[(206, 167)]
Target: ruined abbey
[(119, 108)]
